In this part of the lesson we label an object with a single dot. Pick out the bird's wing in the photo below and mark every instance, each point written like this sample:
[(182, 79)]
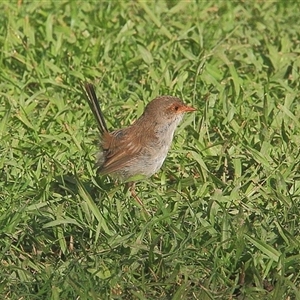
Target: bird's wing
[(119, 151)]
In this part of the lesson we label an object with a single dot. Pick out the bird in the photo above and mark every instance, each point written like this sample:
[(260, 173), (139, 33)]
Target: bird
[(139, 150)]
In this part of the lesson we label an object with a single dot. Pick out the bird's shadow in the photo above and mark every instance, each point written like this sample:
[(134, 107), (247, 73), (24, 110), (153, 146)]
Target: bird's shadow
[(71, 184)]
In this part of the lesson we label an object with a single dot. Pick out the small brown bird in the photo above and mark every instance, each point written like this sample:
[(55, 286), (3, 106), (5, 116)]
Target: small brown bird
[(141, 148)]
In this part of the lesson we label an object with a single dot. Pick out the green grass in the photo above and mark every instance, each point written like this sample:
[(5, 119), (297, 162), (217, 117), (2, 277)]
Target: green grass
[(224, 210)]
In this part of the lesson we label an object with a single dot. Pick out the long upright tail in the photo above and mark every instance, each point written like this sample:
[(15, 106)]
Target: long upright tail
[(94, 105)]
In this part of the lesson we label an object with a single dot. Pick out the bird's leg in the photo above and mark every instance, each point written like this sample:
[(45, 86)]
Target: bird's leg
[(131, 186)]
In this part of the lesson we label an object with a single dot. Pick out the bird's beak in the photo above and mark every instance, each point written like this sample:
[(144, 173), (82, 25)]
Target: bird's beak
[(186, 108)]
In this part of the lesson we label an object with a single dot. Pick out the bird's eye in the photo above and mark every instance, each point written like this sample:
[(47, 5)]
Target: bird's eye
[(176, 107)]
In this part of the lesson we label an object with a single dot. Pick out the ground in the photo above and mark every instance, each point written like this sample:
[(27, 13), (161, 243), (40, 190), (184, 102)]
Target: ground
[(220, 219)]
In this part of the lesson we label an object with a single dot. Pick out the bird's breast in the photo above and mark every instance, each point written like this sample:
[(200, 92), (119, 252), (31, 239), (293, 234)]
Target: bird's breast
[(161, 144)]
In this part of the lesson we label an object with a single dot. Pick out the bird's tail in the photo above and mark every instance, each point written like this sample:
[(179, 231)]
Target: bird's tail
[(93, 102)]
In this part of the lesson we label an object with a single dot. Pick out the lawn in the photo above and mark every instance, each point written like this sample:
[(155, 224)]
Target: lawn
[(223, 213)]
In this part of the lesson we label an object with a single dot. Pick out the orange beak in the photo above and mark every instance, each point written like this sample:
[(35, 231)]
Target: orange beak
[(186, 108)]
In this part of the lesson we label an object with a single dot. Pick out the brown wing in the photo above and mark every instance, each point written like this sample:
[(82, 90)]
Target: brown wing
[(119, 150)]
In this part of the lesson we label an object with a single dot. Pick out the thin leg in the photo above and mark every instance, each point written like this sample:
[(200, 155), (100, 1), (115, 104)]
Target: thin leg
[(131, 186)]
